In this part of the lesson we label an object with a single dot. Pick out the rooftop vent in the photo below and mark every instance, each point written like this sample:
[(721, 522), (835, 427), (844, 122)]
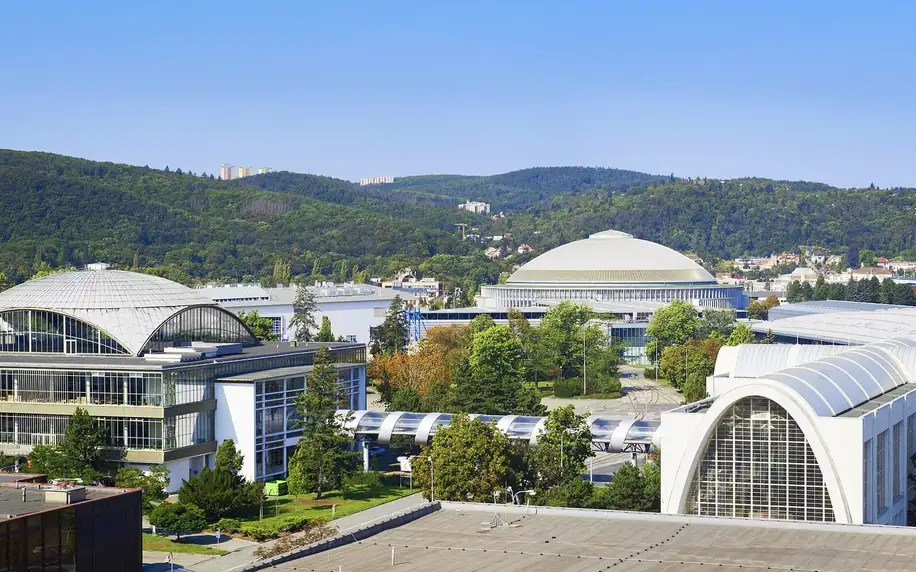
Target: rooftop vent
[(64, 494)]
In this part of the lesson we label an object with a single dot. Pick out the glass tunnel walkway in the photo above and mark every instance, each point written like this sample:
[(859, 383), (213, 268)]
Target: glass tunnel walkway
[(609, 435)]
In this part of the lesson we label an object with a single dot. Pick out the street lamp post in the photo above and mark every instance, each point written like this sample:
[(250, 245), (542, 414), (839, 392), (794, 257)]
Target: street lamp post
[(584, 353)]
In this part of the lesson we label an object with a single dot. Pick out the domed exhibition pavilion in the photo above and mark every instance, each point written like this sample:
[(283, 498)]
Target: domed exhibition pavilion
[(612, 272), (615, 268), (166, 371)]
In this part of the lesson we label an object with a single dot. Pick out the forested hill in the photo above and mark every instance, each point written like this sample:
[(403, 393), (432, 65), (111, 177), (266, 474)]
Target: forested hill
[(521, 189), (726, 219), (58, 211), (62, 211)]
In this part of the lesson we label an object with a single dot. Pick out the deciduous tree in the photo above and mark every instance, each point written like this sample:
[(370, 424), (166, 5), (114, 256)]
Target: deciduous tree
[(562, 449), (470, 460), (260, 326), (670, 326)]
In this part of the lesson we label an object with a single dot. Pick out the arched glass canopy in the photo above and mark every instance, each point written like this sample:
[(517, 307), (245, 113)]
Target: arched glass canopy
[(612, 435)]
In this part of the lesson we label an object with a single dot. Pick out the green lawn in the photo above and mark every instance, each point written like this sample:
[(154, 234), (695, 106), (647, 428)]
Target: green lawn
[(164, 544), (275, 508)]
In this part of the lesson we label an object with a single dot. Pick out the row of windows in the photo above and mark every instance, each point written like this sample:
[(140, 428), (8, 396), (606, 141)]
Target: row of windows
[(174, 386), (155, 434), (275, 401), (881, 455), (525, 297), (74, 386)]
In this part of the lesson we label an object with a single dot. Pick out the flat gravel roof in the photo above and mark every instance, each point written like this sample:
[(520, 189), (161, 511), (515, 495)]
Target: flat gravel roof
[(449, 540)]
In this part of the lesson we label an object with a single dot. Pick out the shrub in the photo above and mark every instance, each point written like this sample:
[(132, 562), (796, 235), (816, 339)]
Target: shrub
[(260, 533), (218, 492), (178, 518), (229, 525), (570, 387)]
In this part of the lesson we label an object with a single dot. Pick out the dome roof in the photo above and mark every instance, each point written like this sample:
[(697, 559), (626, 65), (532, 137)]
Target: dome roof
[(100, 289), (608, 257), (126, 305)]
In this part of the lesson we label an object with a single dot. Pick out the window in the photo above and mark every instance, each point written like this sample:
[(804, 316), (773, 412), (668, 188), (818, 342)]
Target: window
[(44, 331), (880, 464), (758, 464), (898, 488), (910, 429), (866, 471)]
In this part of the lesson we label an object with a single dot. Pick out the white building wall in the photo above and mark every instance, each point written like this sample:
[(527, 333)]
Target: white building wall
[(179, 471), (351, 317), (235, 420)]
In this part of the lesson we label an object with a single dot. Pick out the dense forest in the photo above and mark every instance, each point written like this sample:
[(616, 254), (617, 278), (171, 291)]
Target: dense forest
[(61, 211)]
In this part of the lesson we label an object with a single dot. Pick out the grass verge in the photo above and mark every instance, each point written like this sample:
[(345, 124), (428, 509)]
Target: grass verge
[(163, 544), (276, 508)]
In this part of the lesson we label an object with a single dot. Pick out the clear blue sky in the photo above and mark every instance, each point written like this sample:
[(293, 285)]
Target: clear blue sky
[(811, 90)]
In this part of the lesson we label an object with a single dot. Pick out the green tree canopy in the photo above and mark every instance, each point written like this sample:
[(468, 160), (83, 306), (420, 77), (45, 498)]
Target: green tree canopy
[(489, 379), (562, 449), (391, 336), (320, 460), (218, 492), (715, 322), (325, 334), (229, 458), (671, 325), (260, 326), (470, 460), (742, 334), (178, 518), (153, 483)]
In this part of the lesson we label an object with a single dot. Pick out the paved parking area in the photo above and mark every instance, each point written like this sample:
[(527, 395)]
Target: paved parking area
[(452, 540)]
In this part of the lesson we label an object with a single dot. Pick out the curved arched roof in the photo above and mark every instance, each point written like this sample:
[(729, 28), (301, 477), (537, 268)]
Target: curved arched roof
[(756, 360), (611, 257), (127, 305), (835, 384)]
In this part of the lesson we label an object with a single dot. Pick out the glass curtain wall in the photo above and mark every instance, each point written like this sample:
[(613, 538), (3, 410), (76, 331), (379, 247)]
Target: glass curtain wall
[(43, 331), (758, 464), (200, 324)]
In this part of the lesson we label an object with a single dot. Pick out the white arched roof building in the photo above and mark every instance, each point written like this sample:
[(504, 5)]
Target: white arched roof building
[(101, 311), (818, 433), (611, 266)]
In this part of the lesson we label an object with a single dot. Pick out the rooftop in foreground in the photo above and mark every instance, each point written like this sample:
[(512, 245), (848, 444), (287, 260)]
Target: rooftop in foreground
[(451, 541), (12, 504)]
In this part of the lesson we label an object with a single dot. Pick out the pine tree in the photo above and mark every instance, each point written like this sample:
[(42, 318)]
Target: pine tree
[(325, 334), (391, 335), (303, 322), (320, 460)]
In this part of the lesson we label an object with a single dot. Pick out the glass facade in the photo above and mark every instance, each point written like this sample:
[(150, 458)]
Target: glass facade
[(43, 331), (23, 429), (99, 534), (706, 295), (276, 419), (81, 387), (200, 324), (758, 464)]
